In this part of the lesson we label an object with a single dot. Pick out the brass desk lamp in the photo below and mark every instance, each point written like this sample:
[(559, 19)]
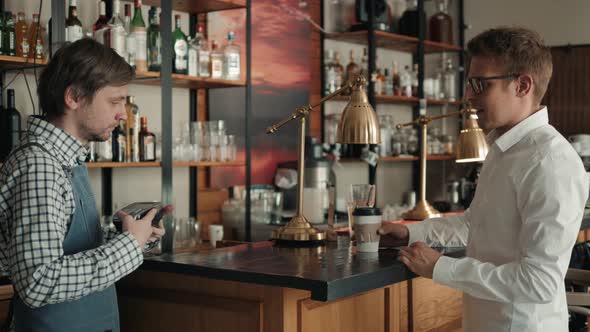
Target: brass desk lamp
[(471, 146), (358, 125)]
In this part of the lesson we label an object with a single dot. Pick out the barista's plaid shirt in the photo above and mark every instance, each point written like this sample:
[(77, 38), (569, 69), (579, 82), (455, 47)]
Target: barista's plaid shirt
[(36, 206)]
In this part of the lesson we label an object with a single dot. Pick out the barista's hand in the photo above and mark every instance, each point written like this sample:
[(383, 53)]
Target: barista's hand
[(140, 229), (158, 232), (393, 235), (419, 258)]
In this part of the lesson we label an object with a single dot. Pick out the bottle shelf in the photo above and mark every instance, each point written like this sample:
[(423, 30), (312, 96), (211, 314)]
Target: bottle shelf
[(158, 164), (393, 41), (387, 40), (185, 81), (442, 102), (402, 159), (195, 7), (123, 165), (15, 62), (436, 47)]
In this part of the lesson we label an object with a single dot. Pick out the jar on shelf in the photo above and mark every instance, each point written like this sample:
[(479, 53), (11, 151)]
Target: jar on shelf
[(412, 142), (385, 146), (448, 144)]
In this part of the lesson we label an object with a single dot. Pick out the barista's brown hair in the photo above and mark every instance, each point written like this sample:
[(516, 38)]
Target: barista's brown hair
[(85, 66), (519, 50)]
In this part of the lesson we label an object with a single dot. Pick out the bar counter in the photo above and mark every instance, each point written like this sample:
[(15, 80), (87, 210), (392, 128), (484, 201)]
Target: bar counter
[(262, 287)]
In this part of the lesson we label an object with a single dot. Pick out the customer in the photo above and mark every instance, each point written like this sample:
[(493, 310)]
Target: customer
[(528, 207), (63, 268)]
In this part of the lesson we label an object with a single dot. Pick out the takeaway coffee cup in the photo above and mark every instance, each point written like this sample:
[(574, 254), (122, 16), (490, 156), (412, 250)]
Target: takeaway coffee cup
[(366, 223)]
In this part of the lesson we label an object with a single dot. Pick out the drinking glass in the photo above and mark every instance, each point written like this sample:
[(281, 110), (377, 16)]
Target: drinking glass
[(360, 195)]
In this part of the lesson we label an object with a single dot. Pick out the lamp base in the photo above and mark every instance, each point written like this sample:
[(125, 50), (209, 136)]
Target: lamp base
[(299, 230), (422, 210)]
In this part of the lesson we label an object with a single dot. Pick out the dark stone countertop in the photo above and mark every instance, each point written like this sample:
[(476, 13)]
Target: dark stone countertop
[(330, 272)]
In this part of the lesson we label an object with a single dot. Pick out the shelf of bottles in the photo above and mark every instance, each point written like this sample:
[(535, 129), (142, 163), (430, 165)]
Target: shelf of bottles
[(196, 6), (187, 81), (158, 164), (432, 157), (393, 41)]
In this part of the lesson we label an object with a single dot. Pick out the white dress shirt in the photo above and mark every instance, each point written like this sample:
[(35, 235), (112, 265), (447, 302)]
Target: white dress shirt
[(519, 232)]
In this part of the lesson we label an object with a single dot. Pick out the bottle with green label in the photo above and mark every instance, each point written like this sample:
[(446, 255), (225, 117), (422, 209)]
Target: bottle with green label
[(140, 35), (180, 47), (9, 37), (154, 41)]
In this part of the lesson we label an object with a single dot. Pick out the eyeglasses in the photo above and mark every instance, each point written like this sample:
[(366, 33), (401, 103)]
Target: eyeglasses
[(478, 83)]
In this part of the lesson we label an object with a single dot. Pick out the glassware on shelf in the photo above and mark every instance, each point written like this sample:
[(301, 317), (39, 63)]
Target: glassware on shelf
[(412, 147), (385, 122), (448, 144), (450, 81), (441, 24)]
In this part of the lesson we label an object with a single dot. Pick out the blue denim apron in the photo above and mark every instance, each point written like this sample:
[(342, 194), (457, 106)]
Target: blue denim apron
[(96, 312)]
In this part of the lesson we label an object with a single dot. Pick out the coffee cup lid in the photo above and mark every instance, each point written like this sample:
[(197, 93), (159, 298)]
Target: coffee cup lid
[(366, 211)]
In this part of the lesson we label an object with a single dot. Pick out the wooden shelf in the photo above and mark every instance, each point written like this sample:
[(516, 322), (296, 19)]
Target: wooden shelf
[(386, 40), (401, 159), (442, 102), (208, 163), (185, 81), (200, 6), (123, 165), (14, 62), (389, 99), (393, 41), (436, 47), (158, 164)]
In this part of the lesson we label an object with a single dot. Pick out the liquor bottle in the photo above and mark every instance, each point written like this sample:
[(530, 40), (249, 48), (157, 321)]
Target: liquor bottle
[(379, 82), (408, 23), (9, 38), (35, 39), (441, 25), (13, 121), (365, 64), (73, 24), (231, 57), (338, 71), (329, 73), (395, 78), (450, 82), (388, 85), (180, 47), (130, 43), (140, 35), (406, 82), (147, 142), (193, 56), (2, 26), (352, 69), (132, 130), (204, 56), (154, 42), (415, 82), (119, 141), (216, 61), (22, 42), (101, 21), (117, 33)]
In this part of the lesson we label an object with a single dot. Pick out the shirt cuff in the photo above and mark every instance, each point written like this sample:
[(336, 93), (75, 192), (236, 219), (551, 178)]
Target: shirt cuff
[(443, 270), (135, 257), (416, 233)]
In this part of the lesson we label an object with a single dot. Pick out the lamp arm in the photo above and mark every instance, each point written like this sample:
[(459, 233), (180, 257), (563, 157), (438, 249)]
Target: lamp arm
[(426, 119), (304, 110)]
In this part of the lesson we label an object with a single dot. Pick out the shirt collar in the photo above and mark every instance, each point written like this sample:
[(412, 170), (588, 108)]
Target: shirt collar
[(518, 132), (68, 149)]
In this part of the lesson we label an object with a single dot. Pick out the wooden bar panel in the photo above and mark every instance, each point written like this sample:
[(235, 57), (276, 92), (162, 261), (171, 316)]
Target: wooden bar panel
[(363, 312), (435, 307)]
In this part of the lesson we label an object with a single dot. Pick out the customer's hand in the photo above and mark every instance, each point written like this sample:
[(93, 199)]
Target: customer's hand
[(140, 229), (393, 235), (419, 258)]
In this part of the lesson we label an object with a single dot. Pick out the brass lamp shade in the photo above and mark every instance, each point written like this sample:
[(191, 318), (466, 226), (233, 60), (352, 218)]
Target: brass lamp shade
[(471, 144), (359, 123)]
